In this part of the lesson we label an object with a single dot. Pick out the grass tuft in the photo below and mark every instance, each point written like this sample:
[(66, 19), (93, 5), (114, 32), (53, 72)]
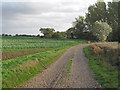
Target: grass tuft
[(69, 66)]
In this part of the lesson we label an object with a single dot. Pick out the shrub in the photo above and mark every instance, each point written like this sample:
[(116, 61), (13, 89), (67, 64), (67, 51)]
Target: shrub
[(101, 30), (109, 52), (97, 50)]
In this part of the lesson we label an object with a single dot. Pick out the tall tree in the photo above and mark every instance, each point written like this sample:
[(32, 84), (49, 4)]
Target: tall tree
[(101, 30), (70, 32), (79, 26), (112, 19), (96, 12)]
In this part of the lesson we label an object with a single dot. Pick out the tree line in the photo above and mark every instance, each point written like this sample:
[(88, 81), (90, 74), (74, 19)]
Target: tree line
[(22, 35), (100, 23), (50, 33)]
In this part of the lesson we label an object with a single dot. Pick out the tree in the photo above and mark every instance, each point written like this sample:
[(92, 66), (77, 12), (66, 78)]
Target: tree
[(80, 27), (48, 32), (79, 24), (57, 35), (64, 34), (101, 30), (112, 20), (16, 35), (96, 12), (101, 12), (69, 32), (38, 35), (109, 14)]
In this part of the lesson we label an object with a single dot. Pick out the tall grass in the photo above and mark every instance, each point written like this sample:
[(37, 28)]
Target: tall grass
[(104, 59), (106, 50), (105, 73)]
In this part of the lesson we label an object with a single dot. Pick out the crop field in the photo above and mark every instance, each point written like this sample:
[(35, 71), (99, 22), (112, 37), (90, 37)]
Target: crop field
[(24, 57), (13, 47)]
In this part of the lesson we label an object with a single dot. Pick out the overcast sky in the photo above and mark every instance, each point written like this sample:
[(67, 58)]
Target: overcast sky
[(25, 17)]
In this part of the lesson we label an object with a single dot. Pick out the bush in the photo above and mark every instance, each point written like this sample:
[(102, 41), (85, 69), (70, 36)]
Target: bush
[(108, 51), (97, 50), (101, 30)]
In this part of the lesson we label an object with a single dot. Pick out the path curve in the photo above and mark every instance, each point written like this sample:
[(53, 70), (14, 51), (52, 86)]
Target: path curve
[(54, 76)]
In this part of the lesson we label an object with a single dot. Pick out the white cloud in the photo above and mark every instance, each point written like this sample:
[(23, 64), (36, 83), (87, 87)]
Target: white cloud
[(23, 16)]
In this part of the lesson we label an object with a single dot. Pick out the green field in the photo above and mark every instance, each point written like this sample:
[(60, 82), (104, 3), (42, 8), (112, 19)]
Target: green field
[(13, 47), (22, 67)]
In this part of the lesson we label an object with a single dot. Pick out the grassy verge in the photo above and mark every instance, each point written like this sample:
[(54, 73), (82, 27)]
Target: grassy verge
[(19, 70), (107, 76)]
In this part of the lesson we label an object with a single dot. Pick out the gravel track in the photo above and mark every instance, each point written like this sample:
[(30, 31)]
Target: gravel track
[(54, 76)]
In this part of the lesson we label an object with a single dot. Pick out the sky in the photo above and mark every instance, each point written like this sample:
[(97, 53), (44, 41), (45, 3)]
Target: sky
[(28, 16)]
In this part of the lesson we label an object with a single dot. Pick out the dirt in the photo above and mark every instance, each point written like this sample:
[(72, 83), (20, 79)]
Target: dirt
[(15, 54), (54, 76)]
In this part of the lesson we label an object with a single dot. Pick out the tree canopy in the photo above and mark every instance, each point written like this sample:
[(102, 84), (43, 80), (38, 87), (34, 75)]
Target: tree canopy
[(98, 14), (101, 30), (48, 32)]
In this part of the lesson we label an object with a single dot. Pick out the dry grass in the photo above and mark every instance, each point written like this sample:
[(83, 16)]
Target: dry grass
[(107, 50), (97, 50), (105, 73), (30, 63)]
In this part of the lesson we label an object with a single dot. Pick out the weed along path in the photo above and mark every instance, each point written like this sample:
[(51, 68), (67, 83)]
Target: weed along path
[(57, 76)]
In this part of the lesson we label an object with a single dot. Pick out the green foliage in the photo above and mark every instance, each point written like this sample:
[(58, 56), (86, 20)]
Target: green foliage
[(59, 35), (79, 29), (96, 12), (101, 30), (102, 12), (105, 13), (79, 25), (69, 32), (113, 20), (107, 76), (48, 32)]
